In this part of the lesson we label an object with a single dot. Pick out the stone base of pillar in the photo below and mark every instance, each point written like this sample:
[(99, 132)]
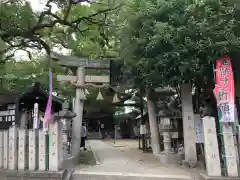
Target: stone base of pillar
[(205, 177), (188, 164), (168, 158)]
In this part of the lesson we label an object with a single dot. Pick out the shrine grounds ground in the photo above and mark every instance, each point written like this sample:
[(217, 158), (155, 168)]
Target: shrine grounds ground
[(121, 159)]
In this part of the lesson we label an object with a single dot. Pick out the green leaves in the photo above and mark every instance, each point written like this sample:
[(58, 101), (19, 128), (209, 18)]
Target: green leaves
[(16, 18), (172, 41), (17, 76), (22, 28)]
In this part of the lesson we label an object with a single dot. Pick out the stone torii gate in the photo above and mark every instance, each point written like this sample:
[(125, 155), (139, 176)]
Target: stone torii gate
[(81, 81)]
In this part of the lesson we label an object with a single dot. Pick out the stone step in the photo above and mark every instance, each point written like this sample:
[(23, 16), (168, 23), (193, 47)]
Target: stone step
[(127, 176)]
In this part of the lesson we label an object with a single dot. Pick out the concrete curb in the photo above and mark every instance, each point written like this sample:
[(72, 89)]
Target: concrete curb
[(206, 177), (96, 157), (125, 176), (29, 175)]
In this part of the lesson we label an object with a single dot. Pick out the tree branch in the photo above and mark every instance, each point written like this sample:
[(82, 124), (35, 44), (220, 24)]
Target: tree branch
[(32, 37), (94, 14), (68, 10)]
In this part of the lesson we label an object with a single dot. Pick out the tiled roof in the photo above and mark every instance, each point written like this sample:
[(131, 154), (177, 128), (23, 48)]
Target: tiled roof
[(11, 97), (8, 98)]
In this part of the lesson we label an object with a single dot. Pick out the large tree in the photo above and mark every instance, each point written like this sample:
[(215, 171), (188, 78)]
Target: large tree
[(22, 28), (178, 40), (17, 76), (170, 42)]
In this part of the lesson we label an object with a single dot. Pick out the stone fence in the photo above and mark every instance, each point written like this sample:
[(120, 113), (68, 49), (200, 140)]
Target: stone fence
[(31, 150)]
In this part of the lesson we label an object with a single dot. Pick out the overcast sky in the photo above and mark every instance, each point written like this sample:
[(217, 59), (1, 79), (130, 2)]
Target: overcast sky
[(39, 5)]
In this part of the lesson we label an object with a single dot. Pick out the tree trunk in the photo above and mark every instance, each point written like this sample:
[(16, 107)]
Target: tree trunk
[(155, 137), (188, 125), (143, 136)]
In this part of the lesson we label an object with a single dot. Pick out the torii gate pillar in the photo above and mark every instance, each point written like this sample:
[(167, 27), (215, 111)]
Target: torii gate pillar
[(79, 82), (78, 109)]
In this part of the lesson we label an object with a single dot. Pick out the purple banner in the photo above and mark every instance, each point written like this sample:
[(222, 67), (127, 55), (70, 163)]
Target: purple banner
[(48, 111)]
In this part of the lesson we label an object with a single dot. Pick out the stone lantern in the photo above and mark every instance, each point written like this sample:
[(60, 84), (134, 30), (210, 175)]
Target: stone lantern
[(167, 156), (65, 117)]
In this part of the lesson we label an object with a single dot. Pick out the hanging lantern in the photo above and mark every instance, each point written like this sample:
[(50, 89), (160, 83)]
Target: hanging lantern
[(115, 98), (100, 96)]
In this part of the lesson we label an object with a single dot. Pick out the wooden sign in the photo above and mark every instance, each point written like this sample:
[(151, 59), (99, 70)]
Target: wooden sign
[(88, 79)]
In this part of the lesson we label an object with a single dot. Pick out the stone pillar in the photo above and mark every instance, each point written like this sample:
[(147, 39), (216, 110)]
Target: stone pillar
[(12, 157), (236, 134), (5, 149), (167, 156), (23, 120), (35, 116), (65, 141), (1, 149), (116, 132), (77, 121), (155, 141), (22, 149), (211, 147), (230, 152), (55, 158), (32, 157), (188, 125), (238, 142), (167, 143), (42, 151)]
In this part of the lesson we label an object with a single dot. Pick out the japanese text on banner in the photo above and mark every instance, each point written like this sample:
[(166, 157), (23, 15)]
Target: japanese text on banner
[(224, 90)]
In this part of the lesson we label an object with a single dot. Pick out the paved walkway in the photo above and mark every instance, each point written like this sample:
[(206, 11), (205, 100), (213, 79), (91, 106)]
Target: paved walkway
[(122, 158)]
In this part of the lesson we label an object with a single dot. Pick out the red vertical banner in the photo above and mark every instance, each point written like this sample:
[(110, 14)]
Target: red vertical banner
[(224, 90)]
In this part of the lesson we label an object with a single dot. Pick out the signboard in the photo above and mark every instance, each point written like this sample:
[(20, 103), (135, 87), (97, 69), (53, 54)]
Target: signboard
[(224, 90), (66, 78), (88, 79), (143, 129), (198, 128), (98, 64), (97, 79), (35, 116)]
